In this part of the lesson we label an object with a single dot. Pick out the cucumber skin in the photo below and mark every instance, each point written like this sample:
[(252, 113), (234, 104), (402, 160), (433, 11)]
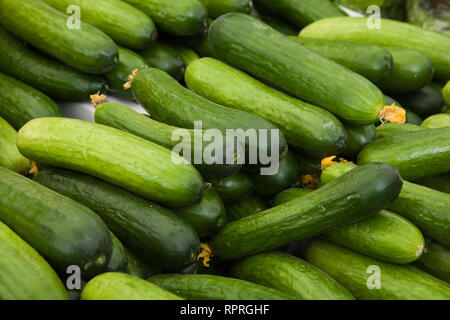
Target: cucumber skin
[(416, 154), (439, 120), (289, 195), (59, 142), (242, 41), (392, 33), (10, 157), (435, 260), (247, 207), (20, 103), (209, 287), (121, 286), (216, 8), (306, 127), (358, 137), (119, 258), (347, 200), (424, 102), (397, 282), (63, 231), (291, 275), (279, 25), (138, 32), (446, 93), (138, 268), (156, 234), (391, 129), (166, 58), (439, 183), (24, 274), (234, 188), (87, 49), (49, 76)]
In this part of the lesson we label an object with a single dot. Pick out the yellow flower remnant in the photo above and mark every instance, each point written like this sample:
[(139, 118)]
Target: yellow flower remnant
[(34, 169), (97, 99), (205, 254), (309, 182), (393, 114), (127, 85), (328, 162)]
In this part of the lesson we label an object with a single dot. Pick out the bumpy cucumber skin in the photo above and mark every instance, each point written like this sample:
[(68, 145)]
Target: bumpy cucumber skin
[(291, 275), (358, 137), (216, 8), (416, 154), (121, 286), (69, 144), (247, 207), (391, 129), (86, 49), (234, 188), (10, 157), (436, 260), (156, 234), (440, 182), (24, 274), (180, 18), (355, 196), (209, 287), (119, 258), (424, 102), (440, 120), (242, 41), (20, 103), (289, 194), (49, 76), (397, 282), (138, 32), (166, 58), (306, 127), (63, 231)]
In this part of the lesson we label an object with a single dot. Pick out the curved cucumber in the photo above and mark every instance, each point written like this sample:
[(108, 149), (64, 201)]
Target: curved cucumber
[(119, 258), (391, 129), (440, 182), (209, 287), (242, 41), (358, 137), (156, 234), (439, 120), (289, 195), (166, 58), (436, 260), (306, 127), (105, 153), (247, 207), (10, 157), (291, 275), (24, 274), (397, 282), (424, 102), (216, 8), (234, 188), (82, 47), (121, 286)]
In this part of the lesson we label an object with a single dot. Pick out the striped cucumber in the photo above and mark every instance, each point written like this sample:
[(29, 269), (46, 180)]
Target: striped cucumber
[(439, 120), (391, 129)]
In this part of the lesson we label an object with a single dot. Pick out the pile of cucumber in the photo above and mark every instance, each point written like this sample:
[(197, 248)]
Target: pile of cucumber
[(355, 118)]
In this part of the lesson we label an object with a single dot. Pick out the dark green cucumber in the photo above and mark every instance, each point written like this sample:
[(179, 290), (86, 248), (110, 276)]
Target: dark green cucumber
[(121, 286), (416, 154), (24, 274), (124, 118), (47, 75), (435, 260), (137, 33), (63, 231), (355, 196), (446, 93), (119, 258), (439, 120), (10, 157), (372, 62), (82, 47), (187, 54), (116, 78), (395, 282), (206, 217), (424, 102), (20, 103), (166, 58), (138, 268), (204, 49), (242, 41), (105, 153), (279, 25), (209, 287), (306, 127), (308, 165), (180, 17), (290, 275), (299, 12), (216, 8), (440, 182), (154, 233), (411, 117), (169, 102), (246, 208), (358, 137), (235, 188), (289, 195)]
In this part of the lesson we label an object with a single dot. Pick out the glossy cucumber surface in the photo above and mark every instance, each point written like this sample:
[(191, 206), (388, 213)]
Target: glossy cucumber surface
[(166, 58), (10, 157)]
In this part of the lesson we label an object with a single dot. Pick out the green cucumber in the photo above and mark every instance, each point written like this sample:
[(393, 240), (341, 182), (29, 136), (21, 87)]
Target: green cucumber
[(121, 286), (47, 75), (169, 102), (424, 102), (246, 208), (372, 62), (105, 153), (358, 137), (279, 25), (180, 18), (299, 12), (156, 234), (242, 41), (307, 127), (411, 117), (355, 196), (391, 33), (137, 33), (446, 93), (440, 182), (82, 47), (24, 274), (209, 287), (10, 157), (138, 268), (115, 79), (391, 129), (435, 260), (308, 165), (187, 54), (439, 120), (119, 258), (63, 231), (20, 103), (395, 282), (416, 154), (166, 58), (235, 188), (216, 8), (289, 195), (204, 49), (290, 275), (206, 217), (124, 118)]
